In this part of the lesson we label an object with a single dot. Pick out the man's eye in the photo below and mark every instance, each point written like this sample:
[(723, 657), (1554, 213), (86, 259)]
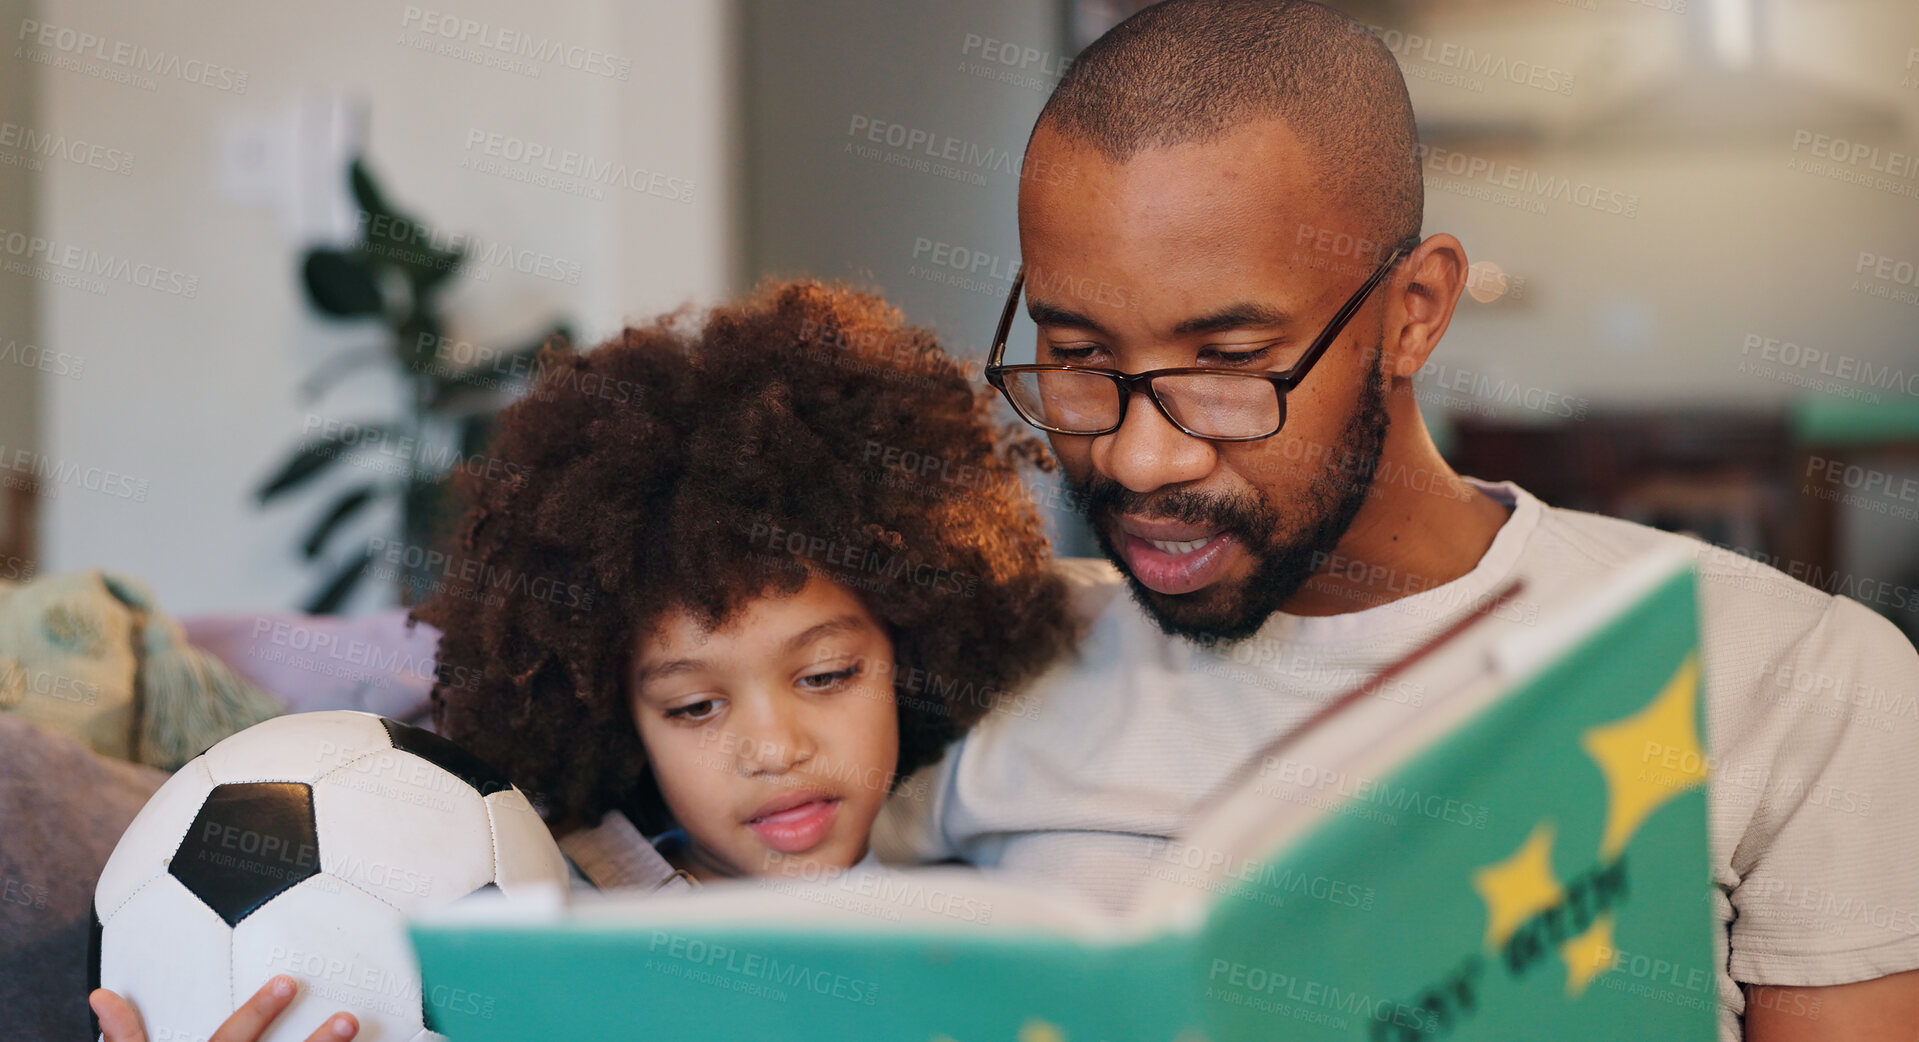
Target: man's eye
[(1226, 356), (694, 711), (829, 681), (1072, 354)]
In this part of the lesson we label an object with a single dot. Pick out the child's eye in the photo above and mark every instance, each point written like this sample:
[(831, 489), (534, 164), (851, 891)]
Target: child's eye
[(829, 681), (694, 711)]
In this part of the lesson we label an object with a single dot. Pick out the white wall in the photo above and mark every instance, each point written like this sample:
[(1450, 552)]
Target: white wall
[(195, 396), (828, 200), (1737, 283), (824, 79), (1728, 241)]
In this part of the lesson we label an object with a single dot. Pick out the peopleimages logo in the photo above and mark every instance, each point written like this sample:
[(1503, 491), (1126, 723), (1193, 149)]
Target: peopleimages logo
[(1502, 174), (1781, 358), (1018, 64), (73, 48), (38, 144), (30, 356), (396, 236), (50, 474), (486, 36), (1469, 62), (543, 160), (1855, 153), (88, 263), (922, 149)]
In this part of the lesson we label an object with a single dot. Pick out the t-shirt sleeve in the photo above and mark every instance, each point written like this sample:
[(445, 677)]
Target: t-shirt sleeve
[(909, 829), (1828, 891)]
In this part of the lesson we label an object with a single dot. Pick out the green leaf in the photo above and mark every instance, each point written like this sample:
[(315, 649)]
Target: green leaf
[(406, 244), (338, 588), (476, 432), (342, 511), (366, 193), (418, 340), (510, 367), (341, 284), (338, 367), (426, 510), (314, 457), (495, 374), (396, 239), (560, 329)]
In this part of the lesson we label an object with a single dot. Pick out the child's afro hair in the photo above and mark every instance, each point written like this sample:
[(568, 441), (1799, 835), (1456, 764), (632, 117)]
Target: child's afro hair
[(699, 465)]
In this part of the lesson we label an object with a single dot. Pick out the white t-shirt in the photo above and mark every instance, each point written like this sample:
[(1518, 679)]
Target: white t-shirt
[(1812, 716)]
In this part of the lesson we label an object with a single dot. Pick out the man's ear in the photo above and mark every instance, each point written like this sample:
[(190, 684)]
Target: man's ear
[(1427, 288)]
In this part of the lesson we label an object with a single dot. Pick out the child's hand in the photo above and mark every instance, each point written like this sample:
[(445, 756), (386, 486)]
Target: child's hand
[(119, 1023)]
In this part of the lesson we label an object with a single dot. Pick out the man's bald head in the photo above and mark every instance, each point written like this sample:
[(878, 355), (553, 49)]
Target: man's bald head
[(1187, 71)]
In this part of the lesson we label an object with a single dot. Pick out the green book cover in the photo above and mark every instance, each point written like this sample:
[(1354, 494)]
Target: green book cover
[(1524, 857)]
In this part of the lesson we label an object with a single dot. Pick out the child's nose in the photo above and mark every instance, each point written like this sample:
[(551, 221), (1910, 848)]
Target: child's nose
[(777, 741)]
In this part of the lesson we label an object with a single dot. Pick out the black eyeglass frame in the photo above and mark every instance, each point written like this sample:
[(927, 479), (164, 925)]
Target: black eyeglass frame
[(1132, 383)]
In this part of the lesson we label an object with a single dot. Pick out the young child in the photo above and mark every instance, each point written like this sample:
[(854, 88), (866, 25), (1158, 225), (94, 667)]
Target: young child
[(727, 585)]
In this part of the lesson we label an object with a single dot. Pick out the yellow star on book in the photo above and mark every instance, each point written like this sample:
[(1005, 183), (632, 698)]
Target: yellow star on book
[(1519, 887), (1040, 1031), (1588, 955), (1649, 757)]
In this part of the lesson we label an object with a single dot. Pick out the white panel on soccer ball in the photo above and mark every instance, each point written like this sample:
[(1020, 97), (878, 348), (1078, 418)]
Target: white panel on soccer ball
[(152, 837), (348, 950), (168, 955), (298, 747), (395, 801), (523, 849)]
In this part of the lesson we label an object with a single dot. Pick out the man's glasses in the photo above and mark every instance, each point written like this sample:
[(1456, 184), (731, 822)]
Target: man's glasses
[(1215, 404)]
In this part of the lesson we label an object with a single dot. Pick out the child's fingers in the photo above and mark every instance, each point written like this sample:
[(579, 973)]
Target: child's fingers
[(249, 1021), (338, 1028), (118, 1021)]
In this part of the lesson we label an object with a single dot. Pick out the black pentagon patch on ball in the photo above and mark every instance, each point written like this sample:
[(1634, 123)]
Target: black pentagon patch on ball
[(444, 753), (250, 841)]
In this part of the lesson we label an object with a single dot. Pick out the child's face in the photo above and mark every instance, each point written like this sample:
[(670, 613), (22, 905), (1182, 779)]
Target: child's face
[(773, 738)]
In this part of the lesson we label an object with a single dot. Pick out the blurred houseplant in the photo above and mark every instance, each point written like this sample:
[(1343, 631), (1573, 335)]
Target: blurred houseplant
[(392, 277)]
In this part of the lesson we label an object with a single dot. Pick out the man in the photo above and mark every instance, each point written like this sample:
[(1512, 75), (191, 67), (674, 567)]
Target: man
[(1217, 147)]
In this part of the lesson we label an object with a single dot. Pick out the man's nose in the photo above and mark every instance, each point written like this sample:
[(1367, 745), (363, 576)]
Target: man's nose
[(1148, 452)]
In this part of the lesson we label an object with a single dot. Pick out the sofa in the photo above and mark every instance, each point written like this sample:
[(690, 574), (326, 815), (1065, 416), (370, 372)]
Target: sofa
[(63, 806)]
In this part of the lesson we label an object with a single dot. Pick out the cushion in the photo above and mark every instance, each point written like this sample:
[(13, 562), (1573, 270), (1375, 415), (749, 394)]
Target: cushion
[(62, 809)]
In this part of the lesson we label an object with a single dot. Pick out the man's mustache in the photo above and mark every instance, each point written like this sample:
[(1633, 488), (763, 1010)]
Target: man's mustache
[(1103, 497)]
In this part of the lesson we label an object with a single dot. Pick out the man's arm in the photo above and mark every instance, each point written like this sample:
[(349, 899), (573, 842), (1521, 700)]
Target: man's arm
[(908, 830), (1884, 1009), (1826, 893)]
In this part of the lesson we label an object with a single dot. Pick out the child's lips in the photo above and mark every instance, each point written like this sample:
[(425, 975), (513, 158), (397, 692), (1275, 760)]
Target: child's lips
[(797, 826)]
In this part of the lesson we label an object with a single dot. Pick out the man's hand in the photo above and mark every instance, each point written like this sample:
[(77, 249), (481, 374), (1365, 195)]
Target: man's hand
[(119, 1022), (1884, 1009)]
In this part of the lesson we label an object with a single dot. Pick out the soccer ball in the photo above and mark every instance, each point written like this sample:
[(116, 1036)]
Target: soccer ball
[(300, 846)]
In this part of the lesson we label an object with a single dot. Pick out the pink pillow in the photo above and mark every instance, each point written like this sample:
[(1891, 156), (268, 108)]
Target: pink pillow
[(368, 662)]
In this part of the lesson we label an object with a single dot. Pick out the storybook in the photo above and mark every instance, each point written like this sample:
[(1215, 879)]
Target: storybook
[(1523, 855)]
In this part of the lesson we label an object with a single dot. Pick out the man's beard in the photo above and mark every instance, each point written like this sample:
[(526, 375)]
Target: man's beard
[(1229, 612)]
